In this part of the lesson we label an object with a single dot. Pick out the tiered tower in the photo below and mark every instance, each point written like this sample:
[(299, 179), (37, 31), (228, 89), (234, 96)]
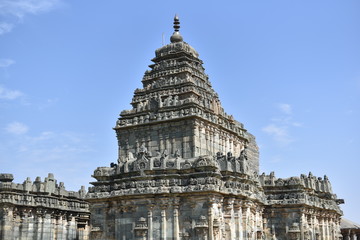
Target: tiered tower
[(177, 112), (186, 169)]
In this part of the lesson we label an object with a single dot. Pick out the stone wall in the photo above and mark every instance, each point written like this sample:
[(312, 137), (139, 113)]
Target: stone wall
[(42, 210), (207, 197), (196, 217), (301, 207)]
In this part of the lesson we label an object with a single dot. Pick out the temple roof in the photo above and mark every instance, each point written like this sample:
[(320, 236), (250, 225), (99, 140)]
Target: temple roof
[(347, 224)]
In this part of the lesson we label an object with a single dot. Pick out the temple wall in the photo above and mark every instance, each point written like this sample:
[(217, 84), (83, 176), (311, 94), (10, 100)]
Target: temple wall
[(42, 210), (187, 138), (166, 137), (301, 208), (195, 217)]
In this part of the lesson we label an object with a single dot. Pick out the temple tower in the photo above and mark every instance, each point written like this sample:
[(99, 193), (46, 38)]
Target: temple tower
[(186, 169), (177, 112)]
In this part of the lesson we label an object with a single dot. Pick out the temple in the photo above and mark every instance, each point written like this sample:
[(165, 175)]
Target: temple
[(186, 170)]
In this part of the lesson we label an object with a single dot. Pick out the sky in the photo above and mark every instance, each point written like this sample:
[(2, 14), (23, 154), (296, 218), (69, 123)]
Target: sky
[(288, 70)]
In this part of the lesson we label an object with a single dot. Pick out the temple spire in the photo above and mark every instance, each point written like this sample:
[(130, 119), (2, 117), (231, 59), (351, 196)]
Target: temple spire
[(176, 37)]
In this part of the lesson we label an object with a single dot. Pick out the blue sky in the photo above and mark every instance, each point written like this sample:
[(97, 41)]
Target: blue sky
[(288, 70)]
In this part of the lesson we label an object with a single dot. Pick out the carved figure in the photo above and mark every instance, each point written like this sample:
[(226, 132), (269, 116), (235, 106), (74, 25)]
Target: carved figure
[(243, 154), (142, 148), (177, 153)]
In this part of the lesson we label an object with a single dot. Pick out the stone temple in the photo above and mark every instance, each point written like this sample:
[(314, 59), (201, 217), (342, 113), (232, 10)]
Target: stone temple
[(186, 170)]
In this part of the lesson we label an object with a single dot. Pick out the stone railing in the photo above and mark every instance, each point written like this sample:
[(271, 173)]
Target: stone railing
[(305, 190), (47, 194), (308, 182)]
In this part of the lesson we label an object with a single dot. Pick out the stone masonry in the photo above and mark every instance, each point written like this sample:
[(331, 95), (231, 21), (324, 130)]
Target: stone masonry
[(42, 210)]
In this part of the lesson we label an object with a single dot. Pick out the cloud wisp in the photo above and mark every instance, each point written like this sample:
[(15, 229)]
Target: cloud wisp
[(13, 11), (279, 133), (5, 27), (5, 62), (8, 94), (285, 108), (45, 147), (17, 128), (279, 127)]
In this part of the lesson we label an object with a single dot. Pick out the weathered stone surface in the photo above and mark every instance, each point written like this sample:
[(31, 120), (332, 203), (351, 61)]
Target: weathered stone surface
[(42, 210), (301, 207)]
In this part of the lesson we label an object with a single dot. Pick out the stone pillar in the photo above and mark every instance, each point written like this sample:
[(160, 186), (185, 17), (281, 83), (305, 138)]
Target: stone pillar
[(323, 231), (246, 218), (328, 229), (31, 227), (221, 216), (45, 227), (163, 222), (357, 236), (352, 236), (313, 227), (25, 225), (302, 222), (7, 223), (211, 220), (230, 219), (346, 235), (150, 222), (16, 228), (52, 227), (239, 228), (72, 227), (38, 226), (176, 222)]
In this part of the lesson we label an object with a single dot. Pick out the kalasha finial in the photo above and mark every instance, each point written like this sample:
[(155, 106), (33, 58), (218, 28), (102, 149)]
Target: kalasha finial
[(176, 37), (176, 23)]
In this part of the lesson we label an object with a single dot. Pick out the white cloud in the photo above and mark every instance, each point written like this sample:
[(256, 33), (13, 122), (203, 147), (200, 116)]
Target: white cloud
[(5, 62), (280, 126), (285, 108), (13, 11), (5, 27), (8, 94), (279, 133), (297, 124), (17, 128), (20, 8)]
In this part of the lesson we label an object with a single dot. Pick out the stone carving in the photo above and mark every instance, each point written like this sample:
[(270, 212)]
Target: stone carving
[(141, 228), (38, 202)]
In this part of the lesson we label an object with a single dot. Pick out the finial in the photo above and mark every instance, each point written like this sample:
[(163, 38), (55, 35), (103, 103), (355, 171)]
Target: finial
[(176, 37), (176, 23)]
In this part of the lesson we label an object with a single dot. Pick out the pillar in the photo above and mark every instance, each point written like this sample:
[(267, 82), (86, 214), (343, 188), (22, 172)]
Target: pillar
[(176, 222), (239, 228), (302, 222), (358, 236), (163, 222), (150, 222), (211, 220)]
